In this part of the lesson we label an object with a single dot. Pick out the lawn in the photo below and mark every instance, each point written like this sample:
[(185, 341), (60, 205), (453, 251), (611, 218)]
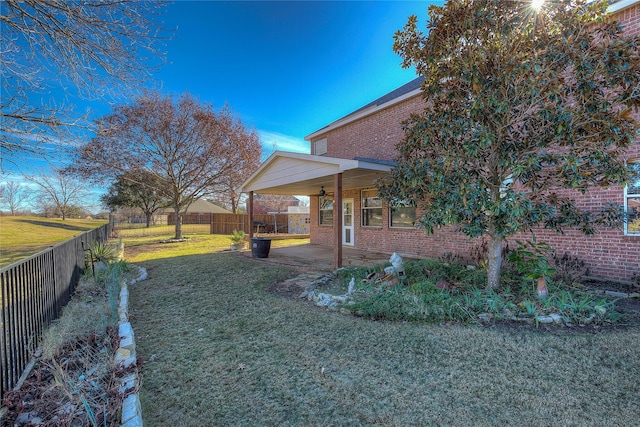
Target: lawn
[(221, 348), (22, 236)]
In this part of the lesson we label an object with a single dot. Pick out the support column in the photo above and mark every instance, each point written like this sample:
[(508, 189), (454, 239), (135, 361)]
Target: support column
[(250, 209), (337, 220)]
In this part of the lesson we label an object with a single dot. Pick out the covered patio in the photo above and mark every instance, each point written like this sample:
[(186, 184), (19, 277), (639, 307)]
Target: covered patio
[(320, 257), (311, 175)]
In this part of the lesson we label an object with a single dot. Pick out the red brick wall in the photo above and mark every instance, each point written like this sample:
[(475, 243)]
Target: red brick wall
[(607, 254), (374, 136), (629, 18)]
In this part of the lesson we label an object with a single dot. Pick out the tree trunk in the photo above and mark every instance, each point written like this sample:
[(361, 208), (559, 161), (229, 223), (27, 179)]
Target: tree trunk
[(148, 216), (178, 224), (494, 262)]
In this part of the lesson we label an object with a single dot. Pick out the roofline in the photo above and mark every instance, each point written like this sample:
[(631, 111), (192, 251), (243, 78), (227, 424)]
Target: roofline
[(358, 114), (363, 113), (342, 164), (622, 4)]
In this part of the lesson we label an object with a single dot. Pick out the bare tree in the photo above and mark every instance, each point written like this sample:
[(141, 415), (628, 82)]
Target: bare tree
[(269, 203), (187, 146), (228, 189), (59, 190), (86, 48), (13, 196)]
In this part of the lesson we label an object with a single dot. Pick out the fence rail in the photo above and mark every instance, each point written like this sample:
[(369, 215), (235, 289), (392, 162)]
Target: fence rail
[(32, 294), (210, 223), (262, 223)]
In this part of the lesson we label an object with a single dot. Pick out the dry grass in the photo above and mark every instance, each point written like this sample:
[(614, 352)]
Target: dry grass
[(88, 313), (75, 381), (22, 236), (220, 349)]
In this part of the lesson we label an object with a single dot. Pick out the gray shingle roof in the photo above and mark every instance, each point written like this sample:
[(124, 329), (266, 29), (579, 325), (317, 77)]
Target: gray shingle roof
[(406, 88)]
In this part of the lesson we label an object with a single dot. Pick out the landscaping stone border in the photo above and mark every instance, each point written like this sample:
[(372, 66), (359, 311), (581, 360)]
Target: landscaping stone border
[(126, 357)]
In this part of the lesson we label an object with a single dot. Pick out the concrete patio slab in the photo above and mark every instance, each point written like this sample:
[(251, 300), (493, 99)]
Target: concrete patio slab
[(320, 257)]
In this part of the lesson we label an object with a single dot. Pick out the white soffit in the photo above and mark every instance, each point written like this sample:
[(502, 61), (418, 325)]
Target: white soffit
[(304, 174)]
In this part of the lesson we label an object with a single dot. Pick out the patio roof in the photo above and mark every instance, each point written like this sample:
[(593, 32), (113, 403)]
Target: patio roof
[(304, 174)]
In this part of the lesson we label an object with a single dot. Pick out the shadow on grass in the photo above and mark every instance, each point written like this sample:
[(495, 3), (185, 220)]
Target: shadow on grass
[(64, 226)]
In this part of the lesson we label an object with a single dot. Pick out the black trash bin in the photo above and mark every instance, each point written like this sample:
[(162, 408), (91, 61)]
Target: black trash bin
[(260, 247)]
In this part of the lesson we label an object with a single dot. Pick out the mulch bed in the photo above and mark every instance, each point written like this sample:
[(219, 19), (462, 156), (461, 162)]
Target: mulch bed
[(75, 388), (629, 307)]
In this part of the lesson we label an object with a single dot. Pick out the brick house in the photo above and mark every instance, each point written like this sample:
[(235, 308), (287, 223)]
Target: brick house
[(350, 154)]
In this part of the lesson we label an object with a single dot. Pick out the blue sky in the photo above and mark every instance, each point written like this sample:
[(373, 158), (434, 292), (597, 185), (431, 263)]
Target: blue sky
[(287, 68)]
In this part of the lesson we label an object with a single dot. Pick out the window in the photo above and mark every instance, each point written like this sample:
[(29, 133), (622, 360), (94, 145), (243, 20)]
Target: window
[(402, 215), (632, 202), (371, 209), (326, 211), (320, 147)]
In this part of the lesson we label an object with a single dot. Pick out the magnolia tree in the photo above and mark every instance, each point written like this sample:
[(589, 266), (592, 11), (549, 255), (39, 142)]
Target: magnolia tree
[(183, 148), (520, 103)]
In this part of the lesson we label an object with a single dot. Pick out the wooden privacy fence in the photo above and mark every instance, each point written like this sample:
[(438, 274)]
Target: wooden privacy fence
[(32, 294), (202, 223), (262, 223)]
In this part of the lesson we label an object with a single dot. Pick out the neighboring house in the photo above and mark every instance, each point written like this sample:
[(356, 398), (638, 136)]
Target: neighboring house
[(350, 154), (197, 213), (273, 203)]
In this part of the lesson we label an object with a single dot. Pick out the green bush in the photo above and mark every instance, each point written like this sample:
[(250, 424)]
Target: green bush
[(464, 297)]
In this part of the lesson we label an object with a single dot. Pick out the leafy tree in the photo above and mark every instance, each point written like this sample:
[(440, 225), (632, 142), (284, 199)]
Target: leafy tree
[(186, 146), (85, 48), (523, 108), (59, 191), (141, 190), (14, 195)]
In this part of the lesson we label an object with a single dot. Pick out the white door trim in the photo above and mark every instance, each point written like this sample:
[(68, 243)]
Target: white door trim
[(348, 222)]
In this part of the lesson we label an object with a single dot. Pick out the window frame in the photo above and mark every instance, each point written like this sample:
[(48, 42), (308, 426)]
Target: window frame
[(320, 147), (636, 196), (402, 205), (321, 210), (365, 211)]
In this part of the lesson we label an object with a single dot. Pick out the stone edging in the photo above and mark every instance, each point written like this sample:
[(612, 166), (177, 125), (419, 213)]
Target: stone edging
[(126, 357)]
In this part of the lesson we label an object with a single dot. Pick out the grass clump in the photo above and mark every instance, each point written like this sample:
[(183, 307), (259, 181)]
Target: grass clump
[(93, 308), (435, 291)]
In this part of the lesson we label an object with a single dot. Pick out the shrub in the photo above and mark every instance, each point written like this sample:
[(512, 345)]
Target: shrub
[(420, 299), (237, 237), (568, 270)]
